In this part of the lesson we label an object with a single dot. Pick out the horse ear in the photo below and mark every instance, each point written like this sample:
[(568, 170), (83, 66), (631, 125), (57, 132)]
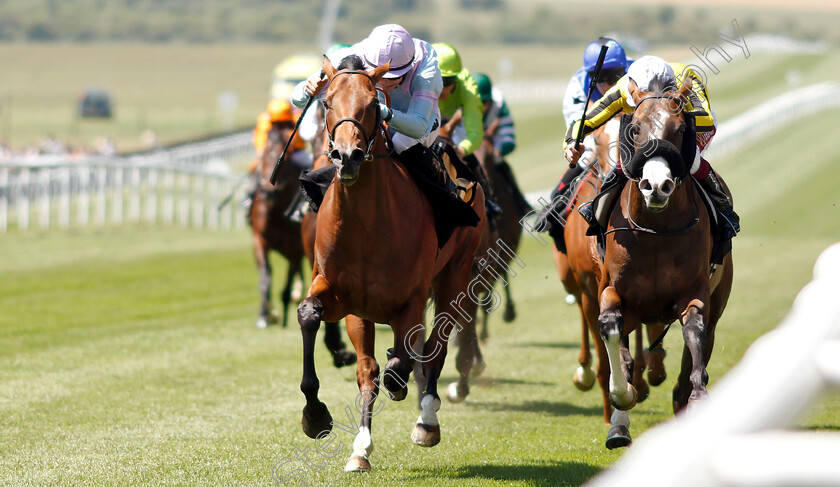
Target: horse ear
[(685, 88), (328, 68), (379, 71)]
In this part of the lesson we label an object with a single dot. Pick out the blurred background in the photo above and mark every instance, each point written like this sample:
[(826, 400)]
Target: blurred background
[(182, 70)]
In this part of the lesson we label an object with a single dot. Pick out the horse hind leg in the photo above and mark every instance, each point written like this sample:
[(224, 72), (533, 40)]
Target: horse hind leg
[(637, 366), (584, 377), (336, 346), (467, 346), (655, 356), (400, 362), (691, 384)]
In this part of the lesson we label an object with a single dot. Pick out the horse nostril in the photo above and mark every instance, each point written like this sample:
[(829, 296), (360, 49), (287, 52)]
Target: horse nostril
[(667, 187), (335, 155), (644, 185), (357, 156)]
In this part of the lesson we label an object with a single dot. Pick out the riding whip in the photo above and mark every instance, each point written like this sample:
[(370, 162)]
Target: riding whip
[(274, 173), (232, 192), (592, 82)]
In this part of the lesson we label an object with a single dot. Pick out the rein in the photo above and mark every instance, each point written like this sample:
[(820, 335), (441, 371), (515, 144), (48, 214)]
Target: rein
[(368, 139)]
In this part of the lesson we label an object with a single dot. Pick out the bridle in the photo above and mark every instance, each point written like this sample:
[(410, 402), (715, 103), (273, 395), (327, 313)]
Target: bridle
[(368, 139), (635, 226)]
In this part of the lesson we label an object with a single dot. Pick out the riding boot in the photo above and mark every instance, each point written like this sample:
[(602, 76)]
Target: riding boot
[(251, 193), (723, 204), (559, 201), (504, 170)]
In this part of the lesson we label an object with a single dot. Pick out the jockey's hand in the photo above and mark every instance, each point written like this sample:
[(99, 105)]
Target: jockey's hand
[(461, 152), (314, 84), (572, 154)]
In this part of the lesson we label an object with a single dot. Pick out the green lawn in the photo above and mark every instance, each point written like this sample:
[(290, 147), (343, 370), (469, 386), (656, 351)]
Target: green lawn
[(130, 357)]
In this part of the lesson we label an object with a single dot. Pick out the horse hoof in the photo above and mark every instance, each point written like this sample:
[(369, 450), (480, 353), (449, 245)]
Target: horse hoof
[(642, 391), (618, 437), (426, 435), (625, 401), (274, 317), (655, 360), (357, 464), (570, 299), (452, 393), (316, 420), (510, 313), (478, 368), (584, 378), (262, 323), (343, 357)]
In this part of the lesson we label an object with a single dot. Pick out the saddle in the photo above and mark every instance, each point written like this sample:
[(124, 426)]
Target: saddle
[(450, 211)]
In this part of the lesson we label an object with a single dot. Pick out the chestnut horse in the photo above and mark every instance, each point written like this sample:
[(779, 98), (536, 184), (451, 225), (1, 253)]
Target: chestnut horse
[(656, 265), (376, 257)]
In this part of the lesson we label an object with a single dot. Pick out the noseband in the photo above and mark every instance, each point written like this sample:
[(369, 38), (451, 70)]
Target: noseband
[(368, 139)]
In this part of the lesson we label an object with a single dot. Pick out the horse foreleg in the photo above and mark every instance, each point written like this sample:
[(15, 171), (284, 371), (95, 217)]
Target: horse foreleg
[(611, 328), (693, 375), (264, 284), (286, 296), (362, 335), (584, 377), (510, 308), (316, 416)]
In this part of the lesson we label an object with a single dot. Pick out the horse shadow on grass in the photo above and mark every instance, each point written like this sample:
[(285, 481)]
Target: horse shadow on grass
[(564, 345), (552, 408), (539, 474)]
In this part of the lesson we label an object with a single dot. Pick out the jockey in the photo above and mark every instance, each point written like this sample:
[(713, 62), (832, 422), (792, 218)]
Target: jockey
[(624, 96), (499, 128), (413, 82), (614, 67), (459, 92), (278, 114)]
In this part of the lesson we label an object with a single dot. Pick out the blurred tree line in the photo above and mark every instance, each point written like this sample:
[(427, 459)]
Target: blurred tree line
[(458, 21)]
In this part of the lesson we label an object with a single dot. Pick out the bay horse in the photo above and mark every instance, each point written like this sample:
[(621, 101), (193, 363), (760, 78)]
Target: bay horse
[(579, 270), (656, 267), (273, 230), (376, 257)]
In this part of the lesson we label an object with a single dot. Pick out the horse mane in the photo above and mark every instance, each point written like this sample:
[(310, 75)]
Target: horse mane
[(660, 86)]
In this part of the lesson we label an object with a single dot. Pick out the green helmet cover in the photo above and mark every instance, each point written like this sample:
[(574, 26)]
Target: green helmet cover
[(448, 60), (485, 87)]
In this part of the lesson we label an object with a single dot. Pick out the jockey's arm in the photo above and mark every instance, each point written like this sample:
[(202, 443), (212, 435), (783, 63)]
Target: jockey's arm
[(417, 121), (600, 113), (471, 110), (504, 139), (698, 98)]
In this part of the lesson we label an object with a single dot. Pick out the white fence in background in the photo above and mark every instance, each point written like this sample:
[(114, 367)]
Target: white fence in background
[(111, 192), (182, 186), (734, 439), (763, 119)]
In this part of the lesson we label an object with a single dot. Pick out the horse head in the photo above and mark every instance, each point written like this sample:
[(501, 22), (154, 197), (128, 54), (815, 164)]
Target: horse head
[(663, 138), (275, 142), (352, 115)]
